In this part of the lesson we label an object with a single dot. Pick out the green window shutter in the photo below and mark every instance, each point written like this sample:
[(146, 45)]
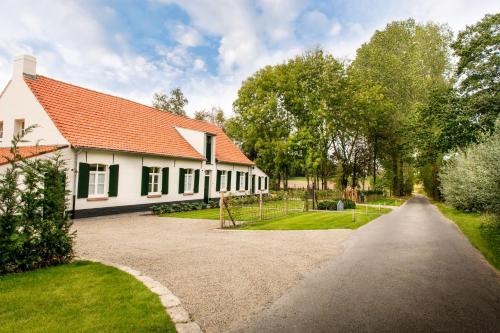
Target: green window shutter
[(114, 170), (265, 183), (229, 181), (237, 180), (145, 180), (217, 183), (164, 181), (182, 172), (253, 183), (196, 181), (246, 181), (260, 183), (83, 180)]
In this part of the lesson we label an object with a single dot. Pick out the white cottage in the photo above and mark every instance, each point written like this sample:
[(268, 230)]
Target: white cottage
[(122, 156)]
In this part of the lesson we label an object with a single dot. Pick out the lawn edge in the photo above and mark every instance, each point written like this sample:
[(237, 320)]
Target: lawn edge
[(180, 317), (478, 250)]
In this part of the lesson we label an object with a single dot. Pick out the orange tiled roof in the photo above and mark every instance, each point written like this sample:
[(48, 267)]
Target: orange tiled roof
[(27, 151), (90, 119)]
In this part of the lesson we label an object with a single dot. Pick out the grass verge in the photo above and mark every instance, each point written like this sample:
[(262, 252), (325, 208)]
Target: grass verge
[(485, 238), (299, 220), (79, 297), (388, 202)]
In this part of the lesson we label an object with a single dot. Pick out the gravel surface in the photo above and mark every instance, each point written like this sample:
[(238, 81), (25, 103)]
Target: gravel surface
[(221, 276)]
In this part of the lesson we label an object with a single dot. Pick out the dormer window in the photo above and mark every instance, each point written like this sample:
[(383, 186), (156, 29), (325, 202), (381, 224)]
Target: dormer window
[(208, 148), (19, 127)]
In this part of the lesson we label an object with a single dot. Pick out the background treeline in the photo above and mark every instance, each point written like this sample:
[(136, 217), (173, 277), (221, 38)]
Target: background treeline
[(412, 99)]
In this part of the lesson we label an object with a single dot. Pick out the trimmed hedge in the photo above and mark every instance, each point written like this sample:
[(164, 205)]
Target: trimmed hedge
[(332, 204), (183, 207)]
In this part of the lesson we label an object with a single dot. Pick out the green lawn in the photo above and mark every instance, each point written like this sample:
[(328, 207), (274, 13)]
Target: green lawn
[(298, 220), (387, 202), (206, 214), (485, 239), (318, 220), (79, 297)]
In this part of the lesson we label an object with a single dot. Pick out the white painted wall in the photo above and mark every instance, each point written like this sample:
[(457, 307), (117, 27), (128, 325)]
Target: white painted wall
[(18, 102), (194, 138), (130, 171)]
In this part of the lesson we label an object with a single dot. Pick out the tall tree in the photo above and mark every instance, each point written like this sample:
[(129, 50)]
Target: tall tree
[(174, 103), (405, 60), (478, 71)]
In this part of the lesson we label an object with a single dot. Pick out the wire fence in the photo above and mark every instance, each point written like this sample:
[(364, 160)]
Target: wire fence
[(237, 210)]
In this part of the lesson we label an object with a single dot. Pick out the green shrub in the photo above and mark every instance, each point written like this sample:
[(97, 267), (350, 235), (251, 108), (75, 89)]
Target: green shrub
[(182, 207), (372, 192), (332, 204), (34, 224), (470, 181)]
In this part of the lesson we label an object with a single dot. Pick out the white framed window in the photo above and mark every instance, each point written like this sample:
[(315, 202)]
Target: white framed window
[(223, 181), (97, 180), (242, 181), (188, 181), (1, 130), (19, 127), (154, 180)]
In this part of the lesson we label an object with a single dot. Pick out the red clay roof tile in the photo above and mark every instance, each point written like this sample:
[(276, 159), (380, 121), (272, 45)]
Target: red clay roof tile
[(26, 151), (91, 119)]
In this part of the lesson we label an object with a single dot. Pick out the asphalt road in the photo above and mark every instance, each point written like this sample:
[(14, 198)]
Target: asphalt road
[(409, 271)]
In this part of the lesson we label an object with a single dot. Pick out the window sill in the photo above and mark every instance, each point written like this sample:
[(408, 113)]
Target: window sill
[(98, 199), (154, 195), (188, 193), (241, 191)]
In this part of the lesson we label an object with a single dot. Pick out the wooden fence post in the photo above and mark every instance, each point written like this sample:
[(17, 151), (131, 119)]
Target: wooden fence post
[(261, 207), (366, 209), (221, 212), (286, 203)]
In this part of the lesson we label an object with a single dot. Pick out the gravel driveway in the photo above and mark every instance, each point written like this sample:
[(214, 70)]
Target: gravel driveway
[(221, 276)]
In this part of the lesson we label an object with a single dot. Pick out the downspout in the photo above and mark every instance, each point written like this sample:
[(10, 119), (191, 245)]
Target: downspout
[(75, 164)]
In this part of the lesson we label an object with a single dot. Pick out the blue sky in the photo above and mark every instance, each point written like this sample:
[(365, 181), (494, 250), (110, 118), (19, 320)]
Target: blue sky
[(206, 47)]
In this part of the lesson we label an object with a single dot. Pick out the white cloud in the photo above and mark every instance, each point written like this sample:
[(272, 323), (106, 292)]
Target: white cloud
[(187, 36), (199, 64), (71, 44), (335, 29)]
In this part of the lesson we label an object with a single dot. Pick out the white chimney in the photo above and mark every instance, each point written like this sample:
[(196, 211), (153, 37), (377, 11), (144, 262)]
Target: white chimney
[(24, 64)]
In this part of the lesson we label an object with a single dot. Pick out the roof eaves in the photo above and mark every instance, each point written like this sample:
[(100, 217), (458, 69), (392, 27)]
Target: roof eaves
[(56, 148), (200, 158), (5, 88)]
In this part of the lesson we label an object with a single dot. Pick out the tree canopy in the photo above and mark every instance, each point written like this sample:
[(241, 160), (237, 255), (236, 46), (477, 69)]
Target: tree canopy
[(174, 103), (322, 117)]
